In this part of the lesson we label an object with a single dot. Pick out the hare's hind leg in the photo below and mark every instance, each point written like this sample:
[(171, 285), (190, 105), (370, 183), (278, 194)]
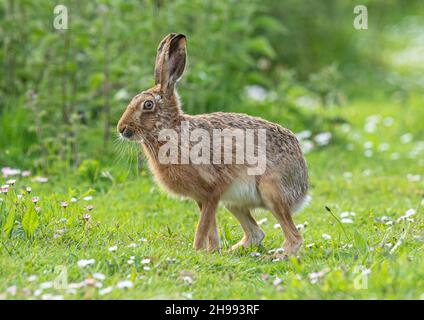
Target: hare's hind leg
[(253, 235), (272, 196), (207, 229)]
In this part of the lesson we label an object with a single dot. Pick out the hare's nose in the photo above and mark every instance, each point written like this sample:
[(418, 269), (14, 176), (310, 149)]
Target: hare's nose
[(126, 132)]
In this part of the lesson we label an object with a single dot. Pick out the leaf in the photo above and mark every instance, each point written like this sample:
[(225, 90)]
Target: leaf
[(261, 45), (96, 80), (295, 263), (133, 274), (30, 222), (89, 192), (271, 25), (226, 233), (168, 229), (8, 226), (360, 242)]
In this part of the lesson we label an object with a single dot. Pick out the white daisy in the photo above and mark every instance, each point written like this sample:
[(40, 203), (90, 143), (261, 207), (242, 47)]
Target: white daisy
[(83, 263), (326, 236)]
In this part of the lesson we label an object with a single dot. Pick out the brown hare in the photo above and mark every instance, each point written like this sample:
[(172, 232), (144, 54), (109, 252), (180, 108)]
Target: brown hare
[(280, 187)]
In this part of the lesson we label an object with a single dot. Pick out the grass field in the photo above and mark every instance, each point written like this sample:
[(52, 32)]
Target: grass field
[(136, 241)]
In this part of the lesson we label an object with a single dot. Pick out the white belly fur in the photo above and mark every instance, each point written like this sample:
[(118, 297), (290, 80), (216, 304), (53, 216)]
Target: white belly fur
[(243, 193)]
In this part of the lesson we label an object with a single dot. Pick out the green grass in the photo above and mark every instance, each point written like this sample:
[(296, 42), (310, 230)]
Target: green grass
[(127, 211)]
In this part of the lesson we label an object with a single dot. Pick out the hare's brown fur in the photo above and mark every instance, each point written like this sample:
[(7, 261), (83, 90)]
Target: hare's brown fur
[(281, 188)]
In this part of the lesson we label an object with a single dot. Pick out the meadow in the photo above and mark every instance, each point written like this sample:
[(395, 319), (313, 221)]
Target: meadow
[(135, 241), (81, 216)]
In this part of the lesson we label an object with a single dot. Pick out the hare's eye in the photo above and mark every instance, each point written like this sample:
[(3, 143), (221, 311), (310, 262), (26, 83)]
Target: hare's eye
[(148, 105)]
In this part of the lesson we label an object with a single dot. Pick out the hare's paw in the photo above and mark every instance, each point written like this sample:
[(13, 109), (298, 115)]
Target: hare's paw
[(242, 243), (293, 246), (214, 247), (199, 243), (250, 240), (213, 241)]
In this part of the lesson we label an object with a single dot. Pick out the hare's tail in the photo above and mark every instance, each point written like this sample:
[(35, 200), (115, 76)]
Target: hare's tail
[(302, 204)]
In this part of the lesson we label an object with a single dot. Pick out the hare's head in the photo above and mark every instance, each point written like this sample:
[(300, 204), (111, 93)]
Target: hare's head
[(159, 103)]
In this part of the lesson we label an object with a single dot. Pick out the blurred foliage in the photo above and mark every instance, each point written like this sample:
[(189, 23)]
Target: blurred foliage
[(62, 91), (89, 170)]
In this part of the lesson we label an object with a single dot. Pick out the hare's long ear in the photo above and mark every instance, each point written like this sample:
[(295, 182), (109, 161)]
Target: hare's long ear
[(173, 63), (159, 56)]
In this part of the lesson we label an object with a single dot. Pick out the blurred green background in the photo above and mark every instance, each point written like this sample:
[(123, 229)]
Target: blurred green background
[(353, 97), (63, 91)]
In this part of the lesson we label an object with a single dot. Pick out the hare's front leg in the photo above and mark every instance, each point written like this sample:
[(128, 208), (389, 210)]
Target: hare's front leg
[(213, 238), (206, 228)]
